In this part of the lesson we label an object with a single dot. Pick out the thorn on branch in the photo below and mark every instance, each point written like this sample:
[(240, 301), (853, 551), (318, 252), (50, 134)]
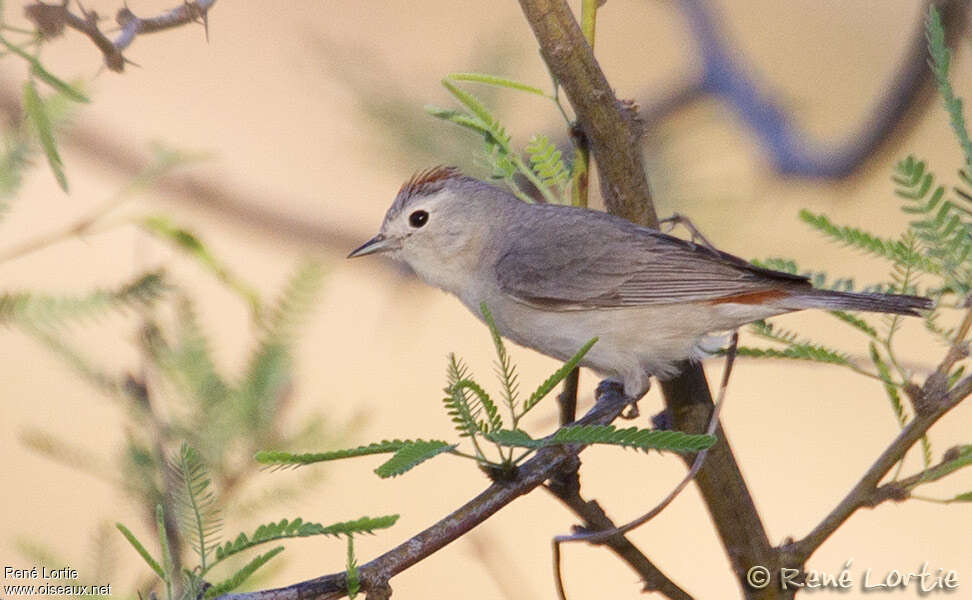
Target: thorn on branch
[(51, 20)]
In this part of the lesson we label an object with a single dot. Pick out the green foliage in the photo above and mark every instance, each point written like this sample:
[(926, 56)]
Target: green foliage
[(548, 163), (287, 459), (465, 410), (37, 116), (195, 503), (943, 226), (286, 529), (188, 242), (353, 577), (198, 520), (893, 250), (544, 167), (559, 375), (794, 347), (145, 554), (51, 311), (411, 455), (962, 457), (236, 579), (631, 437), (932, 257), (504, 366), (940, 61)]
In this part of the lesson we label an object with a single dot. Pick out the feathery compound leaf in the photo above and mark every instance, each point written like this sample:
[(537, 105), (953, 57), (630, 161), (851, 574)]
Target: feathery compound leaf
[(884, 372), (547, 162), (471, 424), (796, 348), (479, 110), (37, 115), (151, 562), (38, 70), (504, 367), (631, 437), (892, 250), (496, 81), (855, 322), (187, 241), (940, 60), (298, 528), (412, 455), (796, 352), (47, 310), (189, 362), (195, 503), (944, 227), (353, 577), (559, 375), (287, 459), (236, 579), (459, 405)]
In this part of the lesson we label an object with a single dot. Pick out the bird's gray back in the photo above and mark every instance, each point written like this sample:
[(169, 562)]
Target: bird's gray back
[(570, 258)]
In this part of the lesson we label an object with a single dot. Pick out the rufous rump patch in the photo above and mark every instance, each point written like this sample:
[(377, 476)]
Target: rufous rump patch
[(756, 298)]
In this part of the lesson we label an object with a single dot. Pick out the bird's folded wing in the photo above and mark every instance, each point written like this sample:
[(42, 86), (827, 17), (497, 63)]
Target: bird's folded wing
[(609, 264)]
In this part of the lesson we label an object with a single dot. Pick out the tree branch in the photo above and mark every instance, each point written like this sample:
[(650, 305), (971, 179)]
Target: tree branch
[(610, 125), (595, 519), (612, 129), (51, 19), (932, 401), (376, 573)]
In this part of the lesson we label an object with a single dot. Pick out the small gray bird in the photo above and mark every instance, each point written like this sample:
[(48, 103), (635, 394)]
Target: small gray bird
[(554, 277)]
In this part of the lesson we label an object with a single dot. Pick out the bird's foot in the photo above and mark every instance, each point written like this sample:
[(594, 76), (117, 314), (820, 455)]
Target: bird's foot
[(615, 387), (679, 219)]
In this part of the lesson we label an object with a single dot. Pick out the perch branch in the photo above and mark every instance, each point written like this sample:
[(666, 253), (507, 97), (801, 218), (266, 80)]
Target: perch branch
[(613, 131), (376, 573)]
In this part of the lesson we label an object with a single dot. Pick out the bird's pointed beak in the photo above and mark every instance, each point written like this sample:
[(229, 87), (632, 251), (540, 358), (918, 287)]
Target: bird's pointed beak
[(379, 243)]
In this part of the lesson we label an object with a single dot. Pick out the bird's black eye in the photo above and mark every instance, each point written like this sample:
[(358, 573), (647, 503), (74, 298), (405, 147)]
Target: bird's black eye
[(418, 218)]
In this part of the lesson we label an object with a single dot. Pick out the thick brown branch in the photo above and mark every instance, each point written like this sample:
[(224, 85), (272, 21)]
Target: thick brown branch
[(613, 131), (610, 125), (547, 463), (51, 19)]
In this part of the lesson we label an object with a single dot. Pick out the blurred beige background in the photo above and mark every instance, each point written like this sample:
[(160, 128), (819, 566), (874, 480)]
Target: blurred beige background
[(287, 99)]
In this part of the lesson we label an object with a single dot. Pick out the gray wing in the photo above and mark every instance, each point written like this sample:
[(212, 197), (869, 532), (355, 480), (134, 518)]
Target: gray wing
[(575, 259)]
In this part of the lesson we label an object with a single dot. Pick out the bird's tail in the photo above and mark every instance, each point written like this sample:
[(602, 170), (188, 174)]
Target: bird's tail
[(833, 300)]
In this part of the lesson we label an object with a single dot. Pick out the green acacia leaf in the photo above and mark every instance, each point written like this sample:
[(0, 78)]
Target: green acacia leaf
[(295, 528), (559, 375), (353, 577), (151, 562), (287, 459), (37, 115), (497, 81), (236, 579), (412, 455), (631, 437), (38, 70)]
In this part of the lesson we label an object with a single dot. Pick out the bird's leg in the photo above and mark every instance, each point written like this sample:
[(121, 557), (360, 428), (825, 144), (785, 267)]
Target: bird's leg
[(615, 386), (680, 219)]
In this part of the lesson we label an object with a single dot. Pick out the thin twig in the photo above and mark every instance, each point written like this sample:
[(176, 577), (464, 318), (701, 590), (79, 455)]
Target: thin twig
[(599, 537), (595, 518)]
